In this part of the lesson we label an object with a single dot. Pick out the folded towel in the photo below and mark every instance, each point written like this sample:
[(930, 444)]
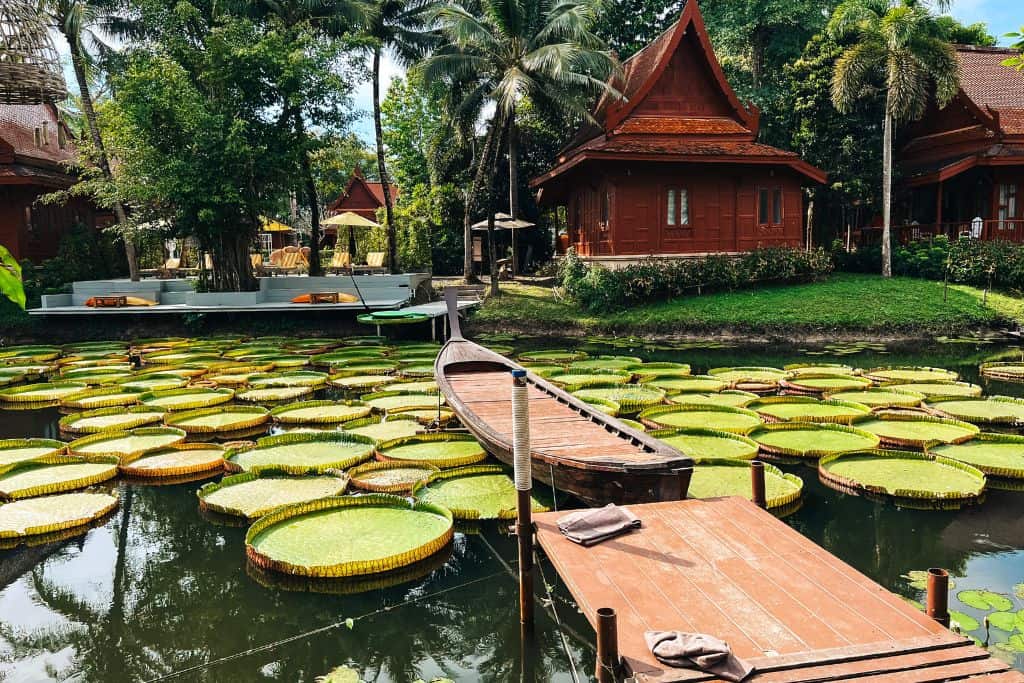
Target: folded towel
[(707, 653), (588, 527)]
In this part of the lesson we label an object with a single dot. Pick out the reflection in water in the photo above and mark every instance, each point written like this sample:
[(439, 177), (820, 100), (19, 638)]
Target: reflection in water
[(158, 589)]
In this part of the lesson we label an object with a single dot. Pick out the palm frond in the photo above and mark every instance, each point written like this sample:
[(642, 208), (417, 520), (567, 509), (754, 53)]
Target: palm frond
[(853, 71)]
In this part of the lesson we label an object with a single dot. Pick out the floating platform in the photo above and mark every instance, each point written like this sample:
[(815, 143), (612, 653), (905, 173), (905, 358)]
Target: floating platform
[(729, 569)]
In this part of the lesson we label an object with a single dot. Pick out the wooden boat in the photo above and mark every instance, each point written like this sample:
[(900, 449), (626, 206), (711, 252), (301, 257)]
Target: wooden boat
[(575, 447)]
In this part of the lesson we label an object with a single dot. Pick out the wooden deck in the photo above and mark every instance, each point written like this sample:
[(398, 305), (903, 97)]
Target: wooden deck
[(729, 569)]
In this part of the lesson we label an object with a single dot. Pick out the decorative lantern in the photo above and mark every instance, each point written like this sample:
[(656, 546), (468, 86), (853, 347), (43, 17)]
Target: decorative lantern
[(30, 71)]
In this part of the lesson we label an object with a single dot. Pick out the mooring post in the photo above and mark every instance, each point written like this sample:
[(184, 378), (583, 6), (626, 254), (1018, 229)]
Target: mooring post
[(757, 484), (607, 646), (937, 606), (524, 495)]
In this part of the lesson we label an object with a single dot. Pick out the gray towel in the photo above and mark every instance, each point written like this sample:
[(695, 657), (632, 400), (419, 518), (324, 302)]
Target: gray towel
[(588, 527), (707, 653)]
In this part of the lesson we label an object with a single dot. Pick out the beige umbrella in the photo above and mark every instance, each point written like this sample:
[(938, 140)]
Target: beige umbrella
[(503, 221), (352, 220)]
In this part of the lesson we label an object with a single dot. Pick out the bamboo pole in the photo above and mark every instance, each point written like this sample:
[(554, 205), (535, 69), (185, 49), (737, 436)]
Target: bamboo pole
[(524, 485)]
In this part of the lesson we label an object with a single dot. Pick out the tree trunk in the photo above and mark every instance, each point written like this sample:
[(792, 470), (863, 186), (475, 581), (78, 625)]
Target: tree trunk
[(498, 130), (101, 152), (887, 194), (381, 168), (467, 235), (312, 201), (482, 165), (232, 267), (810, 222), (513, 182)]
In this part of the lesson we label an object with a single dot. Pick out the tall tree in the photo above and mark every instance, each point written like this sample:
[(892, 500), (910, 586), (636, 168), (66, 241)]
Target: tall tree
[(544, 51), (78, 21), (400, 28), (900, 49)]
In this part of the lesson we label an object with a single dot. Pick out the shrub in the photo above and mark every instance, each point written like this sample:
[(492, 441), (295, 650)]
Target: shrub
[(598, 289)]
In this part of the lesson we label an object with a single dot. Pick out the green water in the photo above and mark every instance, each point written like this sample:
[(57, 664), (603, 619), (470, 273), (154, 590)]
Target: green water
[(158, 588)]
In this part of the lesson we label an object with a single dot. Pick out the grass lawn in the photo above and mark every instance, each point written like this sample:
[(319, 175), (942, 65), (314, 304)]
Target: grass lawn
[(844, 302)]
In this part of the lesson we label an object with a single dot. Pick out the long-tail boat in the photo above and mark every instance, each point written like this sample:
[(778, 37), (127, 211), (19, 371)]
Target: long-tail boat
[(574, 447)]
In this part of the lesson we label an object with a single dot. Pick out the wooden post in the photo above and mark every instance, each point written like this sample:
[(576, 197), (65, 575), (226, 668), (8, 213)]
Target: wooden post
[(607, 646), (938, 595), (757, 484), (938, 209), (524, 495)]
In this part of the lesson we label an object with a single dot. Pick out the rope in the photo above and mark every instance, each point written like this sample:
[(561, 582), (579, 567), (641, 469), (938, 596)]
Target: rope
[(558, 620), (316, 631)]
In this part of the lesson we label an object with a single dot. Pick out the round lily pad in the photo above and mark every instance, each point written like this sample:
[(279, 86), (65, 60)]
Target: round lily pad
[(110, 419), (998, 455), (355, 382), (911, 374), (348, 536), (573, 380), (553, 356), (993, 410), (34, 516), (38, 353), (219, 419), (426, 386), (544, 369), (54, 474), (604, 405), (295, 378), (320, 412), (708, 443), (729, 397), (805, 409), (127, 444), (474, 492), (103, 397), (892, 396), (254, 494), (1009, 372), (438, 417), (937, 480), (604, 363), (175, 461), (938, 389), (153, 382), (684, 384), (393, 427), (985, 600), (41, 392), (19, 450), (364, 366), (93, 376), (280, 361), (11, 377), (390, 477), (820, 384), (915, 430), (742, 377), (394, 401), (645, 371), (811, 440), (273, 394), (302, 452), (964, 622), (722, 418), (186, 399), (798, 369), (416, 370), (716, 477), (439, 449), (630, 397)]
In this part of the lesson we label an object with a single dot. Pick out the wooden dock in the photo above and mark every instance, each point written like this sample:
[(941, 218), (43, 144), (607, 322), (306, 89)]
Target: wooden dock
[(729, 569)]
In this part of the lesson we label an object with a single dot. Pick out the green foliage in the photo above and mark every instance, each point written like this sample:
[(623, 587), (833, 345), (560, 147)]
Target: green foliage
[(334, 161), (1017, 61), (10, 278), (598, 289), (413, 129), (82, 254)]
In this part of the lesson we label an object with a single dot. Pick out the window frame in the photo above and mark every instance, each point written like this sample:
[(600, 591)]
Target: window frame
[(1006, 204), (679, 197), (771, 193)]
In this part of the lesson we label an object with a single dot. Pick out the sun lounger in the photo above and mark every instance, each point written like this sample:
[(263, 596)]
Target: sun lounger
[(374, 263), (341, 262)]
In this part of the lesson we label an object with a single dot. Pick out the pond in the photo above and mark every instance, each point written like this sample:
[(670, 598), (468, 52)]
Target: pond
[(159, 592)]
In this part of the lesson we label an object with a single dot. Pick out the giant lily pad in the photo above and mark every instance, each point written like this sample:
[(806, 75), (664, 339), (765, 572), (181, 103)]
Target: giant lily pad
[(1009, 372), (911, 374), (426, 386), (110, 419), (820, 384), (390, 477), (892, 396), (708, 443), (273, 394), (629, 397), (915, 430), (646, 371), (729, 397), (295, 378), (102, 375), (437, 417), (54, 474), (155, 381), (302, 452), (805, 409), (935, 480), (391, 428), (1005, 621), (252, 495), (320, 412), (994, 410), (179, 460), (355, 382), (811, 440), (722, 418), (35, 353), (219, 419), (985, 600), (604, 363), (439, 449), (348, 536), (714, 477), (574, 380), (938, 389), (553, 356), (395, 402), (474, 492), (127, 444), (798, 369), (186, 399), (750, 378), (364, 366), (998, 455), (103, 397), (416, 370), (34, 516), (19, 450), (672, 384), (41, 393)]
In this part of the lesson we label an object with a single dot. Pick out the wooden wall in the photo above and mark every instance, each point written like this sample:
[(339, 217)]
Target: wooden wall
[(36, 236)]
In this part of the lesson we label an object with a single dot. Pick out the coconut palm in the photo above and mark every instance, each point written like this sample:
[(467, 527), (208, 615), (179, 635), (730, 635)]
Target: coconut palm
[(80, 22), (895, 47), (509, 51), (399, 27)]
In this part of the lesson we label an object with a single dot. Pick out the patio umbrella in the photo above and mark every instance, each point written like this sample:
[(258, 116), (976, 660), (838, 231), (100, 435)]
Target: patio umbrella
[(503, 221), (353, 221)]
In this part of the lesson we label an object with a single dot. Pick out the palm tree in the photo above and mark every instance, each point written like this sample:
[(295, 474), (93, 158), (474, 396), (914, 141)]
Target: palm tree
[(896, 47), (510, 51), (77, 21), (400, 27)]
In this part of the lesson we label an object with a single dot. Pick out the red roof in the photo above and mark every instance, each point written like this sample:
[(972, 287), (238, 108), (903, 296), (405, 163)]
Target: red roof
[(986, 81), (373, 188), (377, 190), (18, 125)]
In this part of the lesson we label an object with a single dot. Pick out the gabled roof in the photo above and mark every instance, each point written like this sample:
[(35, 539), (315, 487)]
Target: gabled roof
[(986, 81), (18, 123), (374, 188)]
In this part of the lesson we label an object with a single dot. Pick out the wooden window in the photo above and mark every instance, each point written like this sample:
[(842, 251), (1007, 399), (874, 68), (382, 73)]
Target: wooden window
[(606, 201), (769, 206), (62, 137), (677, 206), (1007, 207), (38, 137), (46, 134)]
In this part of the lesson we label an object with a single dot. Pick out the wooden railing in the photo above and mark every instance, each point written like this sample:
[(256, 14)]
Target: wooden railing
[(1008, 230)]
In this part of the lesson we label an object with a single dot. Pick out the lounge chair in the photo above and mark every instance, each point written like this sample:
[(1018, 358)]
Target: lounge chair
[(257, 263), (374, 263), (341, 263), (305, 251)]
